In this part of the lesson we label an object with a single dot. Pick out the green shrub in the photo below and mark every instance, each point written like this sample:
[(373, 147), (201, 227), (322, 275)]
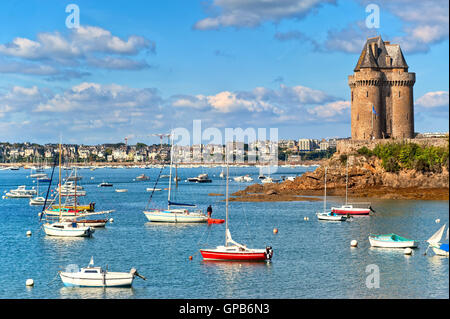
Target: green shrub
[(396, 156)]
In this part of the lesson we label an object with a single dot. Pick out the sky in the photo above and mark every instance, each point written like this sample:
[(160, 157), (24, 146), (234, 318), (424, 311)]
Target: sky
[(130, 69)]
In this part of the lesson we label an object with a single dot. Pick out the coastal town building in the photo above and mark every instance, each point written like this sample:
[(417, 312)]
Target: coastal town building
[(382, 104)]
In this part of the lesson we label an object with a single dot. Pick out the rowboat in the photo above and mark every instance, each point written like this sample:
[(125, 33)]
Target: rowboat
[(392, 241), (215, 221), (92, 276)]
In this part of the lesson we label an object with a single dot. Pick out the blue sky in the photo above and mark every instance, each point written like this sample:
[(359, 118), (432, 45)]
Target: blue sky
[(134, 68)]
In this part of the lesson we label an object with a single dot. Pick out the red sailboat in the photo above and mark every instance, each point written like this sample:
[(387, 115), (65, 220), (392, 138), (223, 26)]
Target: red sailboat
[(233, 251)]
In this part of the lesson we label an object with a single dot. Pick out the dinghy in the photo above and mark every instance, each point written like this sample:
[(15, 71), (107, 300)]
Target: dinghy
[(391, 241)]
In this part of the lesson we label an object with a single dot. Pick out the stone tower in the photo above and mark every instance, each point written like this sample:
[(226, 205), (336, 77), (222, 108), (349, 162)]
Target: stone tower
[(382, 104)]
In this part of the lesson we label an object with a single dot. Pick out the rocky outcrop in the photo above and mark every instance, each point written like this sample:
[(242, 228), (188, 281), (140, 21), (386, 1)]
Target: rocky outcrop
[(366, 178)]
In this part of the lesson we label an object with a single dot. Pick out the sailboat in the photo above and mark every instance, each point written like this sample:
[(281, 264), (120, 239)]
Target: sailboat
[(348, 209), (233, 251), (434, 242), (328, 215), (62, 228), (170, 215)]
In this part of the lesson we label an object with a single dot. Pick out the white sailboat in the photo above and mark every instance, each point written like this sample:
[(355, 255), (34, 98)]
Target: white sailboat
[(439, 248), (171, 215), (233, 251), (330, 216)]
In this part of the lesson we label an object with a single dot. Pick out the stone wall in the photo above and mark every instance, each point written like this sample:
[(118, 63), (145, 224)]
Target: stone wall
[(351, 146)]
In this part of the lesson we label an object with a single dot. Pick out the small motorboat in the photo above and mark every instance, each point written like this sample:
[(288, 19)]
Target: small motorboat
[(105, 184), (142, 177), (391, 241), (92, 276), (121, 190), (149, 189), (331, 216), (36, 201), (67, 229), (21, 192)]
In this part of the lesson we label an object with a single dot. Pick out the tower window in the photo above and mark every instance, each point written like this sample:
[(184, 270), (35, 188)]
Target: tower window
[(352, 96), (406, 115), (367, 93), (398, 93)]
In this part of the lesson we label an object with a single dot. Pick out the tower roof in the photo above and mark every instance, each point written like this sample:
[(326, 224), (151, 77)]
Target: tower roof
[(375, 53)]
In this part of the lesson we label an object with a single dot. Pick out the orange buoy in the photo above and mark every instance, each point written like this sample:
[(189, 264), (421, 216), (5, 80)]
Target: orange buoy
[(190, 257), (275, 230)]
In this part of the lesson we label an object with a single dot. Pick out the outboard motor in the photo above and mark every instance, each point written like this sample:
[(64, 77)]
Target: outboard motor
[(269, 252)]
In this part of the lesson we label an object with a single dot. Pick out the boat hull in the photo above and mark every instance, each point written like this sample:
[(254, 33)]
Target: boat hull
[(50, 230), (392, 244), (350, 211), (99, 280), (233, 256), (161, 216), (327, 217)]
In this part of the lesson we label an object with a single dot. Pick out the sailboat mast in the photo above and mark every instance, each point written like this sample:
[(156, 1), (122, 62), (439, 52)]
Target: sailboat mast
[(59, 190), (346, 184), (226, 206), (170, 171), (325, 195), (75, 197)]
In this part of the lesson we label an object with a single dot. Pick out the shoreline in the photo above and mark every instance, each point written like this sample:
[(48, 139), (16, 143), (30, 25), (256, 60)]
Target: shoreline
[(380, 192)]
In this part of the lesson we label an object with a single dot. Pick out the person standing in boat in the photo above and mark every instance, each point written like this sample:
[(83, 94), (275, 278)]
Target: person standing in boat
[(209, 211)]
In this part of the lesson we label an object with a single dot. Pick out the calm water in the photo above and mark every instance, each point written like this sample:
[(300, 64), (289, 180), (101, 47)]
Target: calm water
[(312, 259)]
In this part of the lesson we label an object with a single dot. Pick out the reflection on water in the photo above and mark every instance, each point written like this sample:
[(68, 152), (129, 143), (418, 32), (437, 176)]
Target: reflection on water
[(96, 293)]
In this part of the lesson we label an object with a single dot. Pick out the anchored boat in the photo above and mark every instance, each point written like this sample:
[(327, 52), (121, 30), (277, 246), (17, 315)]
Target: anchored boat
[(392, 241), (233, 251), (171, 215), (330, 216), (92, 276)]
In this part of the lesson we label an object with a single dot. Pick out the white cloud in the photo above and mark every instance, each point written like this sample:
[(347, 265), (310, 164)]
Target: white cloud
[(251, 13), (433, 100), (87, 46), (333, 111)]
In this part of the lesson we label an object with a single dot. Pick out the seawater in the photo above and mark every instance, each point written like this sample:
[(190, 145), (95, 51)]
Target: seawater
[(312, 259)]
